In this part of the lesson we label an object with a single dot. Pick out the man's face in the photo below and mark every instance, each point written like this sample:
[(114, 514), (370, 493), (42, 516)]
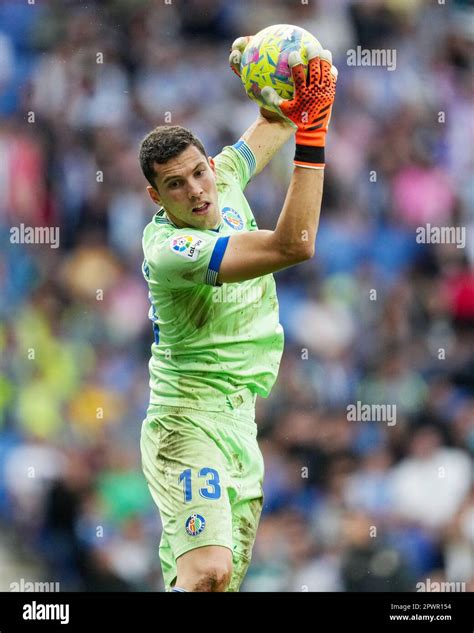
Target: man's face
[(186, 188)]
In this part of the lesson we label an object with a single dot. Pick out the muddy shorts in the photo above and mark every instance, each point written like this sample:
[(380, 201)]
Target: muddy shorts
[(205, 473)]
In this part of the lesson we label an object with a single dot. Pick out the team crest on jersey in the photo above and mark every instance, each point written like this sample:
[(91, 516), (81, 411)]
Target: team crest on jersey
[(195, 524), (187, 246), (232, 218)]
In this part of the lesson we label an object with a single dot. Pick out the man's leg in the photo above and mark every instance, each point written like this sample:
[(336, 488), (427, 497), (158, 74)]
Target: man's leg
[(207, 568), (247, 475), (216, 568), (245, 517), (186, 474)]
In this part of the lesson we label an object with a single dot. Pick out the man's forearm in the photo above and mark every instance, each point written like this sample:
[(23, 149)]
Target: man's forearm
[(265, 138), (298, 223), (251, 254)]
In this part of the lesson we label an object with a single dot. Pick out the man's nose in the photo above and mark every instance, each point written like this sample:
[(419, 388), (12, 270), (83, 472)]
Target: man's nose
[(195, 190)]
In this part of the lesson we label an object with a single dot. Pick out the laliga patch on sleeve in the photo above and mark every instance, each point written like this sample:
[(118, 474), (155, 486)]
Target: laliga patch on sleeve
[(187, 246)]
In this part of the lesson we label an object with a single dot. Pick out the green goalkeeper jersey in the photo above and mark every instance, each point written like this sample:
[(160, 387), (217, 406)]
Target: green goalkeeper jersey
[(210, 340)]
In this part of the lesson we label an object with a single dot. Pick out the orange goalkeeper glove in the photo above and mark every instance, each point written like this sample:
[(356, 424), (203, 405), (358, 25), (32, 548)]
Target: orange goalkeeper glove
[(310, 109)]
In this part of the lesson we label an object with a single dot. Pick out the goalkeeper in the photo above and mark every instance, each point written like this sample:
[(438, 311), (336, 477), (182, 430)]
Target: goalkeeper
[(216, 350)]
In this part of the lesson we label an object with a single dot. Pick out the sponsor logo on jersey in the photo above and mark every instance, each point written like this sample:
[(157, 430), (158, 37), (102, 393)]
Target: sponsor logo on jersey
[(187, 246), (195, 524), (232, 218)]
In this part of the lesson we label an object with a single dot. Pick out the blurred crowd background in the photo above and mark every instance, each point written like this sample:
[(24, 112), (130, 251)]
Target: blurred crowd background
[(375, 317)]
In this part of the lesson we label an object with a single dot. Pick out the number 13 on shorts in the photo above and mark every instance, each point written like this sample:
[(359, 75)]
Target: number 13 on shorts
[(211, 489)]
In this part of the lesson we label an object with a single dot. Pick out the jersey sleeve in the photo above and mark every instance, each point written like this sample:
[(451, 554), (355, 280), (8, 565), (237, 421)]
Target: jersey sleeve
[(184, 258), (236, 163)]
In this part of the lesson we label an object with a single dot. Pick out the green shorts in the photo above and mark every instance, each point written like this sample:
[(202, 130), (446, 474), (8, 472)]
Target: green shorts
[(205, 473)]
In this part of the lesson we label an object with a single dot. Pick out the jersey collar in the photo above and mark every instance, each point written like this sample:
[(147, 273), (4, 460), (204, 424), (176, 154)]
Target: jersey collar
[(161, 218)]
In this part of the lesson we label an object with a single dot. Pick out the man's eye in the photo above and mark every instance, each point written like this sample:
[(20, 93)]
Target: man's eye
[(174, 184), (200, 172)]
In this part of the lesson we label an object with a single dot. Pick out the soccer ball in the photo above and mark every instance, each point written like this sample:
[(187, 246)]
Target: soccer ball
[(265, 60)]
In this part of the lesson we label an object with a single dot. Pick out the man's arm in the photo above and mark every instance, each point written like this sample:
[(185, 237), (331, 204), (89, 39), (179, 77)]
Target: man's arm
[(266, 136), (253, 254), (256, 253)]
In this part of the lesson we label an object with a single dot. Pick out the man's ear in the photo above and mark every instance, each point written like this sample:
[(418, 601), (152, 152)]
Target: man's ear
[(154, 195), (212, 164)]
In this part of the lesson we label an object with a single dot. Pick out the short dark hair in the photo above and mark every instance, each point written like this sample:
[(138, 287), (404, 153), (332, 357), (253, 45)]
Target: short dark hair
[(162, 144)]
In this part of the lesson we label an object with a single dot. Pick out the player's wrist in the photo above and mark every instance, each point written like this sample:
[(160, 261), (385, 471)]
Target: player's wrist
[(309, 156), (273, 117)]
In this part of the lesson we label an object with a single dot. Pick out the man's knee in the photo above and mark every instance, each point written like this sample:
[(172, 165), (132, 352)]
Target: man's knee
[(205, 570), (213, 576)]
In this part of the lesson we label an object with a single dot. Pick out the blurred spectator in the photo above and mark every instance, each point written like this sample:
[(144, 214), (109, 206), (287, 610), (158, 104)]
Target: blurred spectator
[(430, 471)]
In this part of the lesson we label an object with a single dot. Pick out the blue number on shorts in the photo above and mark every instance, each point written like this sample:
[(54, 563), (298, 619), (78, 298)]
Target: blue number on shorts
[(186, 475), (213, 481)]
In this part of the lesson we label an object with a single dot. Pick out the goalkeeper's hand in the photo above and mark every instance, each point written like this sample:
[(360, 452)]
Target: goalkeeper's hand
[(236, 53), (310, 109)]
